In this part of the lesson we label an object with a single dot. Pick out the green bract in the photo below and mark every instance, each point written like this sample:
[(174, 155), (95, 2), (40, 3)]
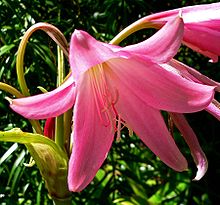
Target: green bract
[(51, 160)]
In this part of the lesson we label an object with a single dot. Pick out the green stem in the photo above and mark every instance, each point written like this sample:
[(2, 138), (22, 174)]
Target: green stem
[(60, 67), (136, 26), (53, 32), (36, 126), (67, 130), (59, 138), (66, 201), (11, 90), (59, 133)]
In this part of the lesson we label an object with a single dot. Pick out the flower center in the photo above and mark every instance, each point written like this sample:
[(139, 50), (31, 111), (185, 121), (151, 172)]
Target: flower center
[(105, 99), (105, 96)]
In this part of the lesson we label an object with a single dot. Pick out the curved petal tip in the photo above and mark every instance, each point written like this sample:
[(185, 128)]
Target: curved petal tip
[(193, 143), (202, 167)]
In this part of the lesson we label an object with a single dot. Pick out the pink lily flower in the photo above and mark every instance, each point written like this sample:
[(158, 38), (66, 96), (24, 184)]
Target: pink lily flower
[(111, 86), (201, 27)]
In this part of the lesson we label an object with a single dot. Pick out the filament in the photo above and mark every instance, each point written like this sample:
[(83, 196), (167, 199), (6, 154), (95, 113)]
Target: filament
[(103, 97)]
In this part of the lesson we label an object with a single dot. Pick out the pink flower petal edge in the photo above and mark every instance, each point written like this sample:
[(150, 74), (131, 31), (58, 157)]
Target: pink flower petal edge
[(214, 109), (163, 45), (46, 105), (193, 74), (201, 27), (202, 40), (189, 73), (159, 88), (193, 143), (191, 14)]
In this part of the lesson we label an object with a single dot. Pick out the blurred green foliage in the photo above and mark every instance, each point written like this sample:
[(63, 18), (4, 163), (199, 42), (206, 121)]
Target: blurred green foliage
[(131, 175)]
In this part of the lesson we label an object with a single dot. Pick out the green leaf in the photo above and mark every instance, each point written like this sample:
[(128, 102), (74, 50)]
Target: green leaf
[(138, 189), (43, 51), (8, 153), (17, 172), (6, 48), (16, 165)]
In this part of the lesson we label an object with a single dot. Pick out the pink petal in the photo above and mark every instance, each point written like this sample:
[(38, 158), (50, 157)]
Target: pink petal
[(193, 74), (203, 40), (160, 88), (163, 45), (199, 13), (47, 105), (201, 25), (213, 24), (86, 52), (149, 125), (191, 14), (92, 137), (214, 109), (193, 143)]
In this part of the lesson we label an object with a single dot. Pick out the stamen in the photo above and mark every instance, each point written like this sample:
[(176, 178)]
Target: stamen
[(103, 96), (119, 128), (130, 131), (171, 125), (105, 100)]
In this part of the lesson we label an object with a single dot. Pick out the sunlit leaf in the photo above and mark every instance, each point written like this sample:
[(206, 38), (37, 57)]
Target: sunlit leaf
[(8, 153), (6, 48)]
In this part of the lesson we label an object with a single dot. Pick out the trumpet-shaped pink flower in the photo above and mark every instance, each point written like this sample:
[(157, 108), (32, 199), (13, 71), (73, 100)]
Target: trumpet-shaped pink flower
[(201, 29), (115, 85)]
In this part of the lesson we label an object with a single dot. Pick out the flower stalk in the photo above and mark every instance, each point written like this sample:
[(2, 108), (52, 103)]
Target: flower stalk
[(138, 25), (59, 122), (66, 201), (53, 32)]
